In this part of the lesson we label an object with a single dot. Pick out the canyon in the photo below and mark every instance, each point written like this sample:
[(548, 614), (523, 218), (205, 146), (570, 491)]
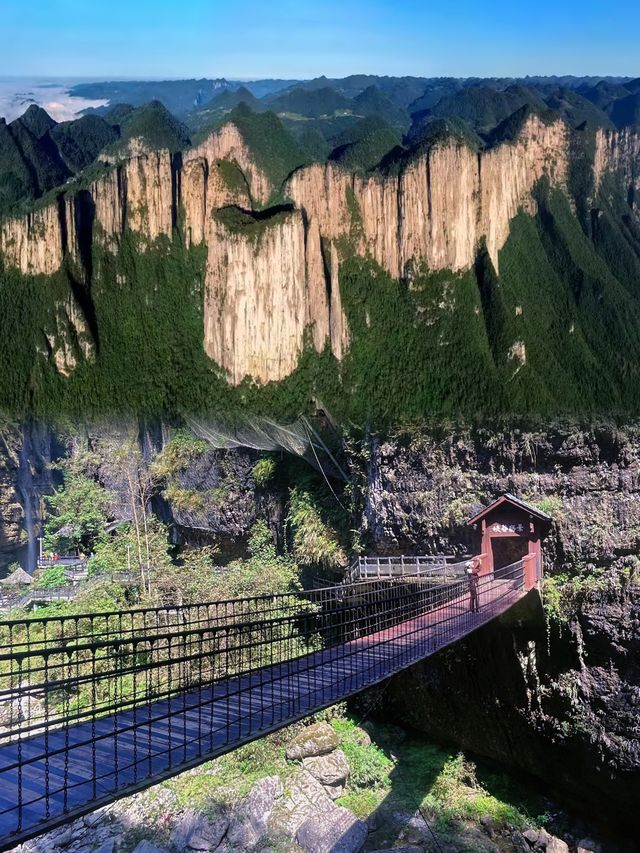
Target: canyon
[(275, 273)]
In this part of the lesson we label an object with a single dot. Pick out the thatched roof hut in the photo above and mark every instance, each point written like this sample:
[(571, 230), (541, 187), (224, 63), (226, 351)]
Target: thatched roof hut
[(17, 578)]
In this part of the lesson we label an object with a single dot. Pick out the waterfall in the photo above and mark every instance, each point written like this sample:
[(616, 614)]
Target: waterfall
[(26, 489)]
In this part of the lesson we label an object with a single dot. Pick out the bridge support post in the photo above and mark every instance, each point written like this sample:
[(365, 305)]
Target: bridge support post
[(530, 571)]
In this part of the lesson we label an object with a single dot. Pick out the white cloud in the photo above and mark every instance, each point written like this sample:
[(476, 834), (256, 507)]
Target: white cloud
[(17, 95)]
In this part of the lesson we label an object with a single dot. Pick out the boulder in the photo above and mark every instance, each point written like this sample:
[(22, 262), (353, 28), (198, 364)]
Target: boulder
[(252, 816), (334, 791), (317, 739), (194, 832), (331, 770), (304, 798), (552, 844), (335, 831), (532, 835)]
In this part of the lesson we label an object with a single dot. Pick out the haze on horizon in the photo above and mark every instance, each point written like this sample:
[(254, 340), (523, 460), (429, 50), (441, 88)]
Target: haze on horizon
[(210, 38)]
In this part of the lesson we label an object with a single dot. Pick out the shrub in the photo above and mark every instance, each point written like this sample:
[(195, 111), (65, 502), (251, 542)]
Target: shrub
[(263, 470), (51, 578)]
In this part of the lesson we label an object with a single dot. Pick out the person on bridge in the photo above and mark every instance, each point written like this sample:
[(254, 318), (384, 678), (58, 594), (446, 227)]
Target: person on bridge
[(473, 570)]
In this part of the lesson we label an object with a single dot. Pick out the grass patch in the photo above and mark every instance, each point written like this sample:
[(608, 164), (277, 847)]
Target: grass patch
[(444, 783)]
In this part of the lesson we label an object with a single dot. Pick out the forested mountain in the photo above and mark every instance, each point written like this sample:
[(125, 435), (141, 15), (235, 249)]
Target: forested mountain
[(383, 247)]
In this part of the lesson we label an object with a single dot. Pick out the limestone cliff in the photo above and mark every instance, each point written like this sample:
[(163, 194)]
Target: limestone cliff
[(228, 144), (433, 211), (441, 205), (618, 152), (255, 301)]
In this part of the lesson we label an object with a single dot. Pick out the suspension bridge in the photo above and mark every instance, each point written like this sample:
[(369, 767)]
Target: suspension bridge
[(95, 707)]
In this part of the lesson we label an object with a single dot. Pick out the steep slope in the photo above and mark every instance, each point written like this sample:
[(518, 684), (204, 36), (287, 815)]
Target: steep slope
[(37, 121), (172, 275), (365, 144), (17, 183), (80, 142)]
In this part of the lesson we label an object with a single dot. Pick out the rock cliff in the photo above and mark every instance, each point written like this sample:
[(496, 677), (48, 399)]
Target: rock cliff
[(558, 702), (433, 211), (419, 487)]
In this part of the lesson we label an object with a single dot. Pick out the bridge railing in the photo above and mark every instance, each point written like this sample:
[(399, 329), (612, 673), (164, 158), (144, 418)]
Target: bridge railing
[(71, 668), (365, 568), (112, 677)]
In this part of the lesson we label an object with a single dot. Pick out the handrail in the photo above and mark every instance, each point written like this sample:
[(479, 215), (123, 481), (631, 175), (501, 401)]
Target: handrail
[(134, 697)]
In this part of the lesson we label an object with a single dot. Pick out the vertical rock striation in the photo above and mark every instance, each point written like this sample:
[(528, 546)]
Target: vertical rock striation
[(434, 211), (255, 300)]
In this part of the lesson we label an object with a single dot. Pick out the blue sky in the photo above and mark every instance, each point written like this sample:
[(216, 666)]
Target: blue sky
[(280, 38)]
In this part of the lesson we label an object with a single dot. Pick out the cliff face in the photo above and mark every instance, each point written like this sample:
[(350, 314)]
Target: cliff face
[(438, 209), (560, 703), (25, 476), (255, 302), (259, 299), (418, 489), (618, 152)]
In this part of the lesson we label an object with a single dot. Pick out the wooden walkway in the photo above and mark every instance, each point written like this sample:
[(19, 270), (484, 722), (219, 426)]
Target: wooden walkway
[(92, 763)]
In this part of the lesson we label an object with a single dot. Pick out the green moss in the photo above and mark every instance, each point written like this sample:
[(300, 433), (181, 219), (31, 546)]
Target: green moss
[(445, 784)]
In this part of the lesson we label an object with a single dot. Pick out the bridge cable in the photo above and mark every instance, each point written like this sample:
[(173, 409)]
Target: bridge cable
[(376, 701), (305, 425)]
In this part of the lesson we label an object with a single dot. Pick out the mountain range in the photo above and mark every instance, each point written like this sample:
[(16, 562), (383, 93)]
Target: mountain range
[(382, 248)]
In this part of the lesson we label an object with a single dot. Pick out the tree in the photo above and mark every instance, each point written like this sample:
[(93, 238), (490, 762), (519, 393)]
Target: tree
[(78, 514), (141, 483)]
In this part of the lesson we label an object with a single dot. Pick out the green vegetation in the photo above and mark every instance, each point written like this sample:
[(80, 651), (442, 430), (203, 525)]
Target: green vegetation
[(311, 103), (483, 108), (77, 514), (364, 145), (156, 126), (251, 224), (263, 471), (533, 340), (372, 102), (315, 543), (563, 594), (275, 150), (51, 578), (233, 178), (422, 775), (79, 142), (551, 504), (178, 453)]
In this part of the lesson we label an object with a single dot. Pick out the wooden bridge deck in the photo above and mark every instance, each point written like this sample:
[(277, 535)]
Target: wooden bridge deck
[(92, 763)]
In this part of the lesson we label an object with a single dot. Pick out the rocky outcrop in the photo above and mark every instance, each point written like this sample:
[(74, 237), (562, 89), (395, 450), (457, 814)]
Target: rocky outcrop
[(26, 454), (255, 301), (312, 741), (34, 243), (618, 152), (262, 294), (560, 703), (228, 144), (419, 488), (70, 339), (440, 206)]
